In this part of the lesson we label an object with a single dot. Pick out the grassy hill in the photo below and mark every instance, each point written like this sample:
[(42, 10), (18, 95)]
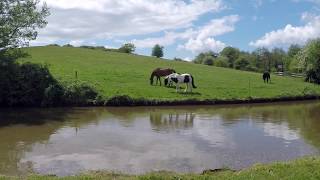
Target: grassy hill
[(115, 73)]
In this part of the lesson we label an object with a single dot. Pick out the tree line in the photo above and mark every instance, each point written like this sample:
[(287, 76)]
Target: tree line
[(297, 59)]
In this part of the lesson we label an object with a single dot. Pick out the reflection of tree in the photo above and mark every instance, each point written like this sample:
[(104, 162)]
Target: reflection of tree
[(171, 121)]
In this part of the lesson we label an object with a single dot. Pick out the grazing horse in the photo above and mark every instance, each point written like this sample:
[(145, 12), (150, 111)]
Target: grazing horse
[(179, 79), (160, 73), (266, 77)]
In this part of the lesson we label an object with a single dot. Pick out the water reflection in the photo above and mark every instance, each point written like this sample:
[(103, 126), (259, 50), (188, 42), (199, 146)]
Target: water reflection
[(171, 121), (138, 140)]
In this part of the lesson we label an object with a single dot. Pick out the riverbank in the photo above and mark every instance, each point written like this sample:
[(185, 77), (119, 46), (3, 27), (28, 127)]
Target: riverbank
[(304, 168), (128, 101)]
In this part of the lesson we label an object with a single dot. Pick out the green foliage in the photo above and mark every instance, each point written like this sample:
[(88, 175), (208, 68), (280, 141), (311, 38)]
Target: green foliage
[(204, 55), (177, 59), (54, 95), (221, 61), (79, 93), (293, 50), (24, 85), (208, 61), (264, 62), (19, 20), (67, 45), (242, 63), (157, 51), (127, 48), (231, 53)]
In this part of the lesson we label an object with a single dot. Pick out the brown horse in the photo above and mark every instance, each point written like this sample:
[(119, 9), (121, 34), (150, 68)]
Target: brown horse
[(160, 73)]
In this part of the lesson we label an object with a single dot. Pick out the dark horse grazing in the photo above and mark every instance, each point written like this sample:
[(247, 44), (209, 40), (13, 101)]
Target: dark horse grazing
[(160, 73), (266, 77)]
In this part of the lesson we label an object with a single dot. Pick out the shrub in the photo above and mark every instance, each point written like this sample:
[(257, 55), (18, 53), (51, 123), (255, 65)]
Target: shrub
[(79, 93), (24, 85), (56, 45), (53, 95), (67, 45), (127, 48)]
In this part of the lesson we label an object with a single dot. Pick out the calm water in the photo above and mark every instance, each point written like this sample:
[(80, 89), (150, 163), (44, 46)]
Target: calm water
[(137, 140)]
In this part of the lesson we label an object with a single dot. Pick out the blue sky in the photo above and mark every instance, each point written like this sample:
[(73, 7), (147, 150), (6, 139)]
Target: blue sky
[(184, 28)]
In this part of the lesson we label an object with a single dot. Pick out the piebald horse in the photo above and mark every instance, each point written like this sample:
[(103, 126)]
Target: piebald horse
[(180, 79), (160, 73)]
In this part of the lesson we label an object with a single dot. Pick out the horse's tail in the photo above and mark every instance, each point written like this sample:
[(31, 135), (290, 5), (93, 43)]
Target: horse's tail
[(193, 82)]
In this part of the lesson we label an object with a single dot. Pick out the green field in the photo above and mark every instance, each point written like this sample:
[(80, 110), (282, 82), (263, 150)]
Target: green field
[(115, 74), (306, 168)]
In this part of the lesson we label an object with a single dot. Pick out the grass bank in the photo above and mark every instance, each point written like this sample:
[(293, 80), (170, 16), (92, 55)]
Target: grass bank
[(117, 75), (305, 168)]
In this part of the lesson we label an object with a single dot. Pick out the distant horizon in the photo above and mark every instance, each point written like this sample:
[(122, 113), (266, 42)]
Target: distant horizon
[(184, 27)]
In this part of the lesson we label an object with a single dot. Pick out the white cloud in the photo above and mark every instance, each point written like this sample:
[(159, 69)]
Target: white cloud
[(102, 19), (198, 40), (205, 41), (291, 34), (208, 44)]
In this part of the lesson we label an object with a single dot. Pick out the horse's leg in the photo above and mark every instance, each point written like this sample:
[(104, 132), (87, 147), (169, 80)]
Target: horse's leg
[(177, 87), (160, 80), (186, 87), (190, 86)]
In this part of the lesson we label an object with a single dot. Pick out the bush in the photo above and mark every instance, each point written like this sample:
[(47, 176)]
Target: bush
[(127, 48), (67, 45), (53, 95), (56, 45), (79, 93), (24, 85)]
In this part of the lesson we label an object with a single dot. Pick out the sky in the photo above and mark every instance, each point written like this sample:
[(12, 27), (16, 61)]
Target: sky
[(184, 27)]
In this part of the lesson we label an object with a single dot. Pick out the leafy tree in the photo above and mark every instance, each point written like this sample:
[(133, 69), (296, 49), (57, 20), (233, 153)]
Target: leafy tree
[(231, 53), (199, 59), (157, 51), (127, 48), (263, 56), (241, 63), (208, 60), (221, 61), (309, 57), (293, 50), (278, 57), (19, 20)]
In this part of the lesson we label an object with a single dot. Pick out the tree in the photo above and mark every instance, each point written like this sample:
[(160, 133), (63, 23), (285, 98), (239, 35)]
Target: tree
[(293, 50), (19, 21), (309, 58), (221, 61), (208, 60), (157, 51), (231, 53), (127, 48), (263, 56), (278, 57), (241, 63), (199, 59)]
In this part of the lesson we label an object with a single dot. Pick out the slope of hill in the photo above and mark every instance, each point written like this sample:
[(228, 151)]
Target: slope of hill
[(115, 74)]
